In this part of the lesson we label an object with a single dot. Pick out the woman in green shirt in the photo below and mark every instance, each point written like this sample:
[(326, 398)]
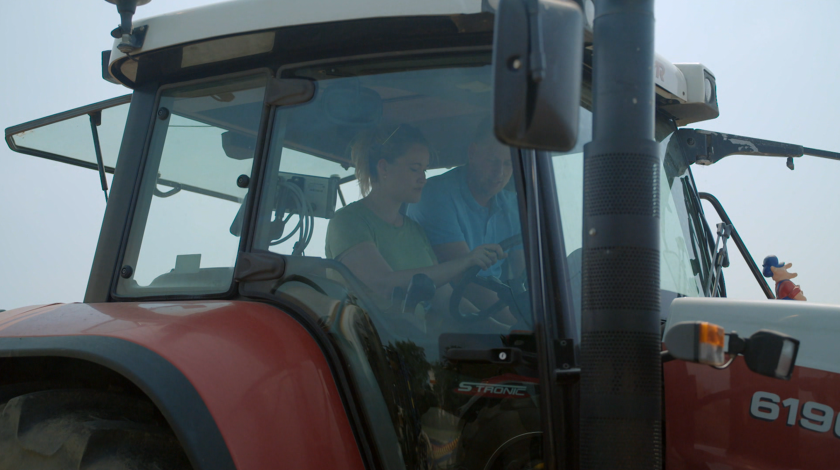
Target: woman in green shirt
[(381, 246)]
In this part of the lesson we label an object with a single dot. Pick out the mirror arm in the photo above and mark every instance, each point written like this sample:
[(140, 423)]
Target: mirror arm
[(707, 147), (821, 153), (737, 345), (95, 121)]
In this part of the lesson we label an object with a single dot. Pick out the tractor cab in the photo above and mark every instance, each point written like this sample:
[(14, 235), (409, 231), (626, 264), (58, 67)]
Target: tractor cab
[(343, 168)]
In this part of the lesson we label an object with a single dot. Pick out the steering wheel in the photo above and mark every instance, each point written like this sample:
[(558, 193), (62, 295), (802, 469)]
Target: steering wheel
[(508, 291)]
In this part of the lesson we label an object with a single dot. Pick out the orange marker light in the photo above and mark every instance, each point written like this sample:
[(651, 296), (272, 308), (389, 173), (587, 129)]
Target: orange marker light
[(696, 341), (710, 341), (711, 334)]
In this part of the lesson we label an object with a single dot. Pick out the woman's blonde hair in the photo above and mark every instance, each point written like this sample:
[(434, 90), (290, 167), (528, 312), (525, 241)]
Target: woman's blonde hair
[(386, 142)]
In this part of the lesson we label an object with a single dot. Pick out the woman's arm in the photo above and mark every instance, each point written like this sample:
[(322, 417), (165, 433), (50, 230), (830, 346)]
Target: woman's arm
[(366, 263)]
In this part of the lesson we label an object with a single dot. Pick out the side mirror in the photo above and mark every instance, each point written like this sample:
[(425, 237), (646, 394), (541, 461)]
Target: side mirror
[(768, 353), (537, 68)]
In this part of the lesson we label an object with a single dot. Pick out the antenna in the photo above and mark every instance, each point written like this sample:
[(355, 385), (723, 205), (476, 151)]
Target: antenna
[(131, 40)]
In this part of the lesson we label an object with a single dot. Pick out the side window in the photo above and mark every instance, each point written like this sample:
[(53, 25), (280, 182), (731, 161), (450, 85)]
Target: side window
[(67, 137), (681, 250), (185, 233), (568, 174)]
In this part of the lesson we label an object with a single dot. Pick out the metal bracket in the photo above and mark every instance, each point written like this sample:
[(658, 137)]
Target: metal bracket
[(130, 42), (96, 121), (707, 148), (721, 256)]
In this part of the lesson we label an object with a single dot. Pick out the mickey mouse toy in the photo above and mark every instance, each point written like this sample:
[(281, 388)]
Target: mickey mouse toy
[(785, 288)]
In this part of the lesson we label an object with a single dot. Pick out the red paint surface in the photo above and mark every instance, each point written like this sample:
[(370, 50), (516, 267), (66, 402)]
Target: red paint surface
[(708, 423), (263, 377)]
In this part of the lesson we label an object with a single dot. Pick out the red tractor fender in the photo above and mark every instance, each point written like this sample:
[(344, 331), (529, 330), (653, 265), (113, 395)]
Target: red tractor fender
[(239, 382)]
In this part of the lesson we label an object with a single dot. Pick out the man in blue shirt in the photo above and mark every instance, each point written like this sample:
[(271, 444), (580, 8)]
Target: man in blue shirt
[(468, 206)]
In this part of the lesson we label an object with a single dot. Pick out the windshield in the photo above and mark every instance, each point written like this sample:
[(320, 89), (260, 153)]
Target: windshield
[(400, 206), (684, 247)]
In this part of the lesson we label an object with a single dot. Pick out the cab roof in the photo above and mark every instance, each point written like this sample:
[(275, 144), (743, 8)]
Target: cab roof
[(241, 17), (245, 16)]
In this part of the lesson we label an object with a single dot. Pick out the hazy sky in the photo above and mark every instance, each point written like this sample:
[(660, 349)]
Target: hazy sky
[(776, 69)]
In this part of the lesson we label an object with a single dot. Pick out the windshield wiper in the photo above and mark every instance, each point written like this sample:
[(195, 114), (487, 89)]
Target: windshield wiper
[(707, 147)]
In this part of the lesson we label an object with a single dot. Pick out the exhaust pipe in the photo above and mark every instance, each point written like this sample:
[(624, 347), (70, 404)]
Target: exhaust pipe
[(620, 365)]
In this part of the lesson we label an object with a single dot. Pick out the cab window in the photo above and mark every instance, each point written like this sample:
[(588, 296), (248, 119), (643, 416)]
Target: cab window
[(184, 234), (396, 209), (683, 251)]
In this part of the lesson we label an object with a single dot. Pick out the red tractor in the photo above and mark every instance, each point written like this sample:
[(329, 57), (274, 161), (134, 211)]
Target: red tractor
[(383, 234)]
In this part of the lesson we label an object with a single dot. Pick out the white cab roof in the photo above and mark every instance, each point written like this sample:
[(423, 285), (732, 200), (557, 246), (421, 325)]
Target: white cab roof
[(243, 16)]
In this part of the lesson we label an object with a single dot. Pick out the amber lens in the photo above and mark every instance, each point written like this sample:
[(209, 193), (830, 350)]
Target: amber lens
[(711, 334)]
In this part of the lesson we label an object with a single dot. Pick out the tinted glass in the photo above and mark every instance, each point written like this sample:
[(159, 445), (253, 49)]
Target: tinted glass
[(399, 217), (185, 234), (684, 253), (71, 139)]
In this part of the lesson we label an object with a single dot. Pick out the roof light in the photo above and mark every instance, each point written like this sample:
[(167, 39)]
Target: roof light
[(698, 100)]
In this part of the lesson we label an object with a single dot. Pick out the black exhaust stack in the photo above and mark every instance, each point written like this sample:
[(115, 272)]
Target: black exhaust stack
[(620, 365)]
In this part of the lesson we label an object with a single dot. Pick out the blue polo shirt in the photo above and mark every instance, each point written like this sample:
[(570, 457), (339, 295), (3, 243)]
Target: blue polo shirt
[(448, 213)]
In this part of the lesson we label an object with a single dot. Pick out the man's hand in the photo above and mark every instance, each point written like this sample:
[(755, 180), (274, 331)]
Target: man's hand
[(485, 256), (477, 295)]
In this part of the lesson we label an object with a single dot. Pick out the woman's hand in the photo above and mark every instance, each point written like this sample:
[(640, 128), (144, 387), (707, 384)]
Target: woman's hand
[(485, 256)]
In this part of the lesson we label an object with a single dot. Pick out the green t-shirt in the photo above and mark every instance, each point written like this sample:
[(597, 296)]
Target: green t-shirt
[(402, 248)]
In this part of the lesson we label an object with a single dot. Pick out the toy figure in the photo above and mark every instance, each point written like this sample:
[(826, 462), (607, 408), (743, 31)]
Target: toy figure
[(785, 288)]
